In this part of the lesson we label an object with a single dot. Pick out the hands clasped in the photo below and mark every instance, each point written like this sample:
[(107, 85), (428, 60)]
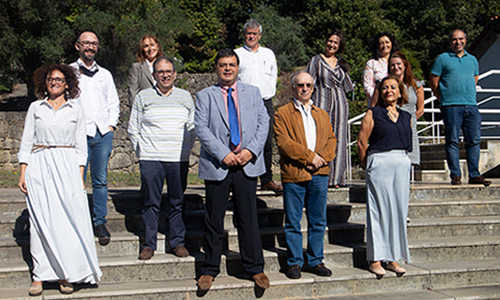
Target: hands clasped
[(317, 163), (240, 159)]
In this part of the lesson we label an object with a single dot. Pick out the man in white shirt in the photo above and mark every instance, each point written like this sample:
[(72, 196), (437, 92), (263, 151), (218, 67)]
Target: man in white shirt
[(258, 68), (100, 103)]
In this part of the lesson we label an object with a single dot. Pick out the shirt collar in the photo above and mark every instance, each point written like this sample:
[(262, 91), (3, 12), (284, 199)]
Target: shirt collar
[(46, 102), (301, 106), (160, 93), (225, 87), (93, 68), (451, 53), (249, 49)]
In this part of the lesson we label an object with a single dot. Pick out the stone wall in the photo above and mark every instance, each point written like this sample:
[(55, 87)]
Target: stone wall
[(123, 157)]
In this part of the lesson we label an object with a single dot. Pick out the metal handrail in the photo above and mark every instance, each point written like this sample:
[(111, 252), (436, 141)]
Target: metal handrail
[(434, 124)]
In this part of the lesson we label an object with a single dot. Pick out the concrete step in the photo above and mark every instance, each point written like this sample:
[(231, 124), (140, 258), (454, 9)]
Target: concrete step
[(128, 202), (427, 220), (460, 248), (351, 237), (471, 278), (437, 170), (166, 266), (354, 232), (464, 293), (341, 212)]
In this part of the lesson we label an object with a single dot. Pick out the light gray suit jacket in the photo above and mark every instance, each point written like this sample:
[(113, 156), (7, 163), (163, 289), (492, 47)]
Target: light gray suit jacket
[(139, 78), (212, 129)]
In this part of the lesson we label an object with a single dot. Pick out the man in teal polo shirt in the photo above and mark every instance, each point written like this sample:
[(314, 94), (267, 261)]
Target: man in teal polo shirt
[(453, 81)]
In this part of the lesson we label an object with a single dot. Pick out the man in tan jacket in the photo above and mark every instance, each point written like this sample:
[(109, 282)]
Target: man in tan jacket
[(306, 143)]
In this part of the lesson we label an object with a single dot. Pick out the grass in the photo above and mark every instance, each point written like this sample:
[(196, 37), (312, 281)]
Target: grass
[(9, 179)]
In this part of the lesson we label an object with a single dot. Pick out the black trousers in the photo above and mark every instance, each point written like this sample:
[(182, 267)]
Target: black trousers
[(153, 174), (268, 146), (245, 212)]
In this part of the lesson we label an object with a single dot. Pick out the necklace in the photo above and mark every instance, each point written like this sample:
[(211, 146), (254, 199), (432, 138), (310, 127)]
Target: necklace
[(393, 116)]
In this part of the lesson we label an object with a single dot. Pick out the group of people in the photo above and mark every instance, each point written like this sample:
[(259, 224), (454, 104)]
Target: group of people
[(234, 122), (388, 141)]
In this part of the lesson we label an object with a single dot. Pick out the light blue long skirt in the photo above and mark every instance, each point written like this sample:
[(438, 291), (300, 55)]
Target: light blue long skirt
[(388, 195)]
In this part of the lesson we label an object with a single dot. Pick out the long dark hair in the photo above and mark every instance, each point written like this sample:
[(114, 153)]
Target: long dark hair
[(341, 61), (375, 42)]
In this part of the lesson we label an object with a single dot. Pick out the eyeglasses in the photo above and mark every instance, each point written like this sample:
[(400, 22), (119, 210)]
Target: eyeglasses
[(57, 80), (301, 85), (87, 43), (164, 72)]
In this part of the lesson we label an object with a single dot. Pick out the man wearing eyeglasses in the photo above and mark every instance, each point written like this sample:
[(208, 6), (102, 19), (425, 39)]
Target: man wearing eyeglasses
[(306, 143), (100, 103), (161, 130), (258, 67)]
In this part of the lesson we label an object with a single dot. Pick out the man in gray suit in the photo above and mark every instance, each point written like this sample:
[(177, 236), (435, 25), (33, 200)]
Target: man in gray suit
[(231, 123)]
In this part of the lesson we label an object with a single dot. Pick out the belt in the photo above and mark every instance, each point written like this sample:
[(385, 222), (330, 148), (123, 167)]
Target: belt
[(36, 147)]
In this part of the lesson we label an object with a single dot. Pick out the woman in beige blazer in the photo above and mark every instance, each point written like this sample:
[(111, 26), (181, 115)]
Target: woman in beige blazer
[(141, 73)]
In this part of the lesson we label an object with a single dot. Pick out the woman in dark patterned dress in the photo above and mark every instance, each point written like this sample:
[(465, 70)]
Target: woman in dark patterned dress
[(332, 82)]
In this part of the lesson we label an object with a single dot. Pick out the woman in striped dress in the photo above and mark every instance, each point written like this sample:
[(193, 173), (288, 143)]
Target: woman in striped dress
[(332, 82)]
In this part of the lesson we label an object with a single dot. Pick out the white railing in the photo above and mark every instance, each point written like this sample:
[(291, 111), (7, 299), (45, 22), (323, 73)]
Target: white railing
[(433, 126)]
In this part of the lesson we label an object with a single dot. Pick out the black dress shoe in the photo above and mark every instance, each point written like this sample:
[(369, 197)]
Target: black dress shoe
[(321, 270), (102, 233), (294, 272), (479, 180)]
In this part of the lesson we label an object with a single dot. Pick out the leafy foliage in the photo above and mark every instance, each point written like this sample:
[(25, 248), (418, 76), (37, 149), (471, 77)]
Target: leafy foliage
[(192, 31)]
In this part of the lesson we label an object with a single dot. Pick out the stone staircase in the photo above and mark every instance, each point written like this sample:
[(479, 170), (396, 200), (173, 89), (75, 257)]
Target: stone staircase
[(433, 166), (454, 237)]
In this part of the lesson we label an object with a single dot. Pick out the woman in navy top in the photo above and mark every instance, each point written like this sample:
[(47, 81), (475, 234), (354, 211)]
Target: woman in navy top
[(387, 165)]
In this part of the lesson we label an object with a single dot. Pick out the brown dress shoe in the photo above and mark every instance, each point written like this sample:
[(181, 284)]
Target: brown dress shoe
[(456, 180), (180, 251), (479, 180), (261, 280), (146, 253), (271, 186), (205, 282)]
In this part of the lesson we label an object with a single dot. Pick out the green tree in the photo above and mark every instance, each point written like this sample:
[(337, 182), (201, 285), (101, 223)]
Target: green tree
[(283, 36)]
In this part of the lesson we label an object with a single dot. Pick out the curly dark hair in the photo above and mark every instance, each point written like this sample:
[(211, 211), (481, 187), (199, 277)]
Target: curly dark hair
[(40, 76), (342, 62), (375, 43)]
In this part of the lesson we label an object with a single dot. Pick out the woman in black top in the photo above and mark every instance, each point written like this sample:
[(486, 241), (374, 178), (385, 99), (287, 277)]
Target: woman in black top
[(387, 177)]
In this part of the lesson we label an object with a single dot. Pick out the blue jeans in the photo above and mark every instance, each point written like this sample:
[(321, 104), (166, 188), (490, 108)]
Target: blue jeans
[(467, 119), (99, 150), (313, 194)]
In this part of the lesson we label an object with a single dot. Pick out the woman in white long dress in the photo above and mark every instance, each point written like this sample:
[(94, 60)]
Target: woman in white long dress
[(52, 155)]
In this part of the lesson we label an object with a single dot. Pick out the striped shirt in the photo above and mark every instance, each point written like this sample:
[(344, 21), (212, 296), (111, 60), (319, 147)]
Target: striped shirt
[(161, 128)]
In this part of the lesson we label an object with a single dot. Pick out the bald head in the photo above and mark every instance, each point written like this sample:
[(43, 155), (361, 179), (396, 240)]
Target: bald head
[(302, 86)]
